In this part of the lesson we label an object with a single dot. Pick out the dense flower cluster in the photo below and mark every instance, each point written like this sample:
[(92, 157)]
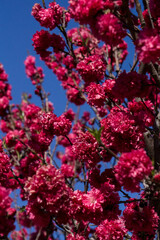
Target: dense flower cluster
[(114, 229), (119, 126), (142, 221), (132, 168), (5, 169), (82, 37), (96, 95), (43, 40), (84, 11), (131, 85), (5, 91), (95, 205), (85, 148), (36, 74), (6, 213), (87, 206), (47, 194), (50, 17), (91, 69), (143, 112), (55, 125), (109, 29), (148, 46)]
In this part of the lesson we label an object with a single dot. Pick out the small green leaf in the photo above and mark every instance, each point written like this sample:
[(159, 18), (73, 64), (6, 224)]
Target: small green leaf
[(96, 133), (22, 209)]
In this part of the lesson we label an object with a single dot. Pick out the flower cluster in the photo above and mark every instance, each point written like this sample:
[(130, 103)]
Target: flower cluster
[(5, 91), (109, 29), (53, 125), (120, 126), (131, 85), (82, 37), (142, 221), (132, 168), (47, 194), (6, 213), (43, 40), (114, 229), (92, 69), (85, 148), (36, 74), (148, 46), (143, 112), (50, 17), (95, 205), (84, 11), (96, 95)]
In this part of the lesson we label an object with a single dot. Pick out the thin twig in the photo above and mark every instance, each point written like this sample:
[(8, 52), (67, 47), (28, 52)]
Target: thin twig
[(139, 11), (134, 65), (69, 140), (149, 13), (39, 233), (44, 4)]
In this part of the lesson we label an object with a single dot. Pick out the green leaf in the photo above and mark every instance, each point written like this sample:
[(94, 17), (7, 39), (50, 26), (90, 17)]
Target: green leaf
[(96, 133), (22, 209)]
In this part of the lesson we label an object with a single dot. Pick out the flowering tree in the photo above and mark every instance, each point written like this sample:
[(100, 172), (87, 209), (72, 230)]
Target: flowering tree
[(103, 183)]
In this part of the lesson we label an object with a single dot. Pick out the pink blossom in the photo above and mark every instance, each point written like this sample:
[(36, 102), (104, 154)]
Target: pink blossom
[(148, 46), (75, 237), (62, 126), (120, 125), (87, 205), (3, 74), (141, 220), (82, 37), (67, 170), (42, 41), (96, 95), (6, 213), (92, 69), (131, 85), (47, 195), (50, 17), (108, 28), (74, 96), (4, 103), (132, 168), (143, 112), (19, 235), (108, 88), (5, 167), (69, 114), (114, 229), (30, 66), (83, 10), (85, 148)]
